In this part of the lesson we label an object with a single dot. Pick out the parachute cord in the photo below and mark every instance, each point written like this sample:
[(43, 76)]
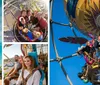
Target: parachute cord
[(91, 58), (54, 45)]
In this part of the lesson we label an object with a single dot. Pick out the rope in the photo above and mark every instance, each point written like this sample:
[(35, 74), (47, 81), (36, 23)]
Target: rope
[(7, 57), (54, 45), (94, 63), (89, 56)]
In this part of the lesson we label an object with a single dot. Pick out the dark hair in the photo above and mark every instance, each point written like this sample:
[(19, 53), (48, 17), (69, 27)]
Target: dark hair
[(23, 11), (28, 11), (15, 58), (17, 55)]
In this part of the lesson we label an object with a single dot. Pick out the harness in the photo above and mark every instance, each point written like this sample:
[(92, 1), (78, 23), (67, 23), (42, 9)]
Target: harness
[(88, 58), (26, 79), (91, 61)]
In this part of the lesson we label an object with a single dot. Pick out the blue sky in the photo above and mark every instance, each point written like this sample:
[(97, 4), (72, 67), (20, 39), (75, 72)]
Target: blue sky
[(15, 49), (12, 50), (72, 65)]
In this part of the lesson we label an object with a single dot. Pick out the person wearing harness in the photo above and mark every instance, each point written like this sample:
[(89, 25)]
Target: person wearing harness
[(29, 15), (22, 27), (14, 73), (30, 74), (97, 46), (97, 42), (21, 20), (89, 48), (43, 62)]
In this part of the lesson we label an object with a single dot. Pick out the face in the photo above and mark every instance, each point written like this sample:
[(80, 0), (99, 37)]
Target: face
[(16, 58), (88, 43), (27, 62), (20, 60), (24, 13), (29, 13)]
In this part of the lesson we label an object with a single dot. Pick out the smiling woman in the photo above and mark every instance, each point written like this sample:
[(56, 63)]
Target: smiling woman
[(23, 67)]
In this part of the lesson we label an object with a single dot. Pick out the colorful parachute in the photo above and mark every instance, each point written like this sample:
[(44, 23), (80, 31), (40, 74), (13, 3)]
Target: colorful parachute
[(84, 15)]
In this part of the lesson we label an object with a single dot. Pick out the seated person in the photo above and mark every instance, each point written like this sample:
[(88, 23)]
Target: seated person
[(34, 21), (22, 16), (21, 24), (29, 35), (85, 75), (30, 74), (38, 34), (29, 15), (23, 30), (97, 43), (89, 53), (89, 48), (43, 23), (43, 62), (97, 46), (14, 73), (82, 75)]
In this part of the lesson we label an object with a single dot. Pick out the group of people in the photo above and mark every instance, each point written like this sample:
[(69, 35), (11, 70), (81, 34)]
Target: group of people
[(31, 25), (25, 71), (91, 53)]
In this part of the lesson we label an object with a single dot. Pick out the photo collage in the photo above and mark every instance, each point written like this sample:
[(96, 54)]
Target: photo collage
[(49, 42)]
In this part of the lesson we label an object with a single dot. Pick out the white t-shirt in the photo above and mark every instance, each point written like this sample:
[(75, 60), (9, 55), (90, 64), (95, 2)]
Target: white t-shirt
[(17, 66), (33, 80)]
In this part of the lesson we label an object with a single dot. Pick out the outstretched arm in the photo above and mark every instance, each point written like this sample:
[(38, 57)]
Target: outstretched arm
[(10, 72)]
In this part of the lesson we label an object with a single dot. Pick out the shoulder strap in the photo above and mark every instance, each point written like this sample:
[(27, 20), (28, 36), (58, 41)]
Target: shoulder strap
[(25, 79), (23, 74), (29, 75)]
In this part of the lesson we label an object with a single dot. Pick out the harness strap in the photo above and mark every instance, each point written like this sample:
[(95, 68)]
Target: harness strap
[(26, 79)]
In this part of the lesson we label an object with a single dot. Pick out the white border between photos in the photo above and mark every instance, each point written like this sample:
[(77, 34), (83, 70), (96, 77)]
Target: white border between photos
[(48, 43), (2, 43)]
